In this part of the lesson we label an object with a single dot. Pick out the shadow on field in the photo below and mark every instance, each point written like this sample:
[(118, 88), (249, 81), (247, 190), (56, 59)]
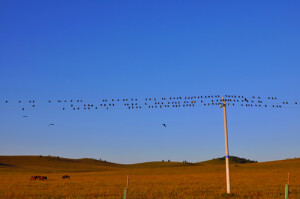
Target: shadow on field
[(6, 165), (226, 195)]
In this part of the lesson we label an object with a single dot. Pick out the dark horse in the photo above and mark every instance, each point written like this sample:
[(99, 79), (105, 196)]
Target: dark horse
[(65, 177), (38, 177), (42, 177)]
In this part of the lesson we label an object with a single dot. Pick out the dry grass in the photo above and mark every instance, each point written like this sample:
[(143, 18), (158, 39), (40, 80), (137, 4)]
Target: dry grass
[(149, 180)]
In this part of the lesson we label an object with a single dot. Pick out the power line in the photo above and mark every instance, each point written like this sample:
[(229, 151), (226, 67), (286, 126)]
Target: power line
[(153, 102)]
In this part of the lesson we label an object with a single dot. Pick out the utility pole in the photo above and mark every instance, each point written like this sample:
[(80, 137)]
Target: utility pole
[(226, 146)]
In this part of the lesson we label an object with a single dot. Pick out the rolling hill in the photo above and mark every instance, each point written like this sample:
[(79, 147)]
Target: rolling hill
[(232, 160), (54, 164), (58, 164)]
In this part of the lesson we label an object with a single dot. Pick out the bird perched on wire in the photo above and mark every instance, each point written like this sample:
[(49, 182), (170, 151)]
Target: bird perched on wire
[(164, 125)]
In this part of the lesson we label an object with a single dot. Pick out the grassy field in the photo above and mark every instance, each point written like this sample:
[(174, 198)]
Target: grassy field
[(157, 180)]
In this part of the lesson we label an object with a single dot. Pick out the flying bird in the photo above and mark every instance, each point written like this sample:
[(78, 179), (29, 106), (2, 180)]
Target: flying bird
[(24, 116), (51, 124), (164, 125)]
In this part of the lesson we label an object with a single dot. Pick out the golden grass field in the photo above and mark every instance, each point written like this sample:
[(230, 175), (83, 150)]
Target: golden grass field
[(154, 180)]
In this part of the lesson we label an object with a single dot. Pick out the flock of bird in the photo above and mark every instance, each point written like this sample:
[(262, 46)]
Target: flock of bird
[(151, 103), (156, 103)]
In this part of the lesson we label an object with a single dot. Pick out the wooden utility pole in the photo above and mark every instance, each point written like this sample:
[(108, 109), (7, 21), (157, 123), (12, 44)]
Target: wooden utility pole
[(226, 147)]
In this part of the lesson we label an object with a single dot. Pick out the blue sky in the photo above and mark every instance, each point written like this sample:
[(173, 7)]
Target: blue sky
[(92, 50)]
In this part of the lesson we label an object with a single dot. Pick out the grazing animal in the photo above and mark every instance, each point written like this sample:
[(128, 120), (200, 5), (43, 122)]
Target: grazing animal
[(42, 177), (66, 177)]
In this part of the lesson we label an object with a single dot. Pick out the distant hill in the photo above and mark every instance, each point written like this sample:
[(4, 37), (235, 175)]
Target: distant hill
[(232, 160), (54, 164), (160, 164), (59, 164)]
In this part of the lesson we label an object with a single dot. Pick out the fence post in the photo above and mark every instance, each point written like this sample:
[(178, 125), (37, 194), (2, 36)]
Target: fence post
[(126, 188), (286, 191), (287, 187)]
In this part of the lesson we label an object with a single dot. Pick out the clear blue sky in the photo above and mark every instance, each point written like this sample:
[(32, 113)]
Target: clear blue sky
[(104, 49)]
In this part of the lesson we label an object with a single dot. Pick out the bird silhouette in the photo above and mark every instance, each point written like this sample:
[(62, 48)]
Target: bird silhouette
[(24, 116), (164, 125), (51, 124)]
